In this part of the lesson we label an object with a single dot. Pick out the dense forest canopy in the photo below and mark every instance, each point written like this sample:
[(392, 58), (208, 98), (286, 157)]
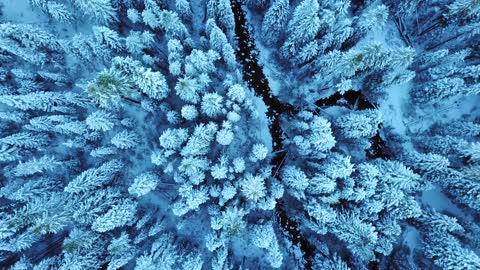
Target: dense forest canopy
[(239, 134)]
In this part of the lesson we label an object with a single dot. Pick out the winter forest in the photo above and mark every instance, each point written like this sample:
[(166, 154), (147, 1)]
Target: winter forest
[(240, 134)]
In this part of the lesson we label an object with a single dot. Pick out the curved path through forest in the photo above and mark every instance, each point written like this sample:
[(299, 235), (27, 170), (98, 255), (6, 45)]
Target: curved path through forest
[(256, 79), (254, 76)]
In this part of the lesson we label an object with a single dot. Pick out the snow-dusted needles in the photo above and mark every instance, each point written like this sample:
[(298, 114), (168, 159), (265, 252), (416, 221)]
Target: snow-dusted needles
[(230, 134)]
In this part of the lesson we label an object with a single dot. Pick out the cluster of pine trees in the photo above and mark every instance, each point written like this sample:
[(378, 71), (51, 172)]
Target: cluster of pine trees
[(130, 138), (358, 184)]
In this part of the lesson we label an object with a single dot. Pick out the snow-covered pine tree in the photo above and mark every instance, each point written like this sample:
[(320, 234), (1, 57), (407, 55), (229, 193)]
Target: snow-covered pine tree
[(125, 140), (119, 215), (102, 10), (275, 21), (302, 28), (360, 124), (144, 183)]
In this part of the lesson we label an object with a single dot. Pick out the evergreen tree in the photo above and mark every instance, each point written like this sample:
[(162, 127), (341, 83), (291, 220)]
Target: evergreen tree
[(167, 20), (194, 168), (125, 140), (308, 52), (259, 152), (274, 255), (229, 56), (232, 221), (225, 136), (212, 104), (94, 177), (275, 21), (238, 164), (236, 93), (45, 101), (134, 15), (253, 187), (191, 199), (302, 28), (34, 166), (217, 38), (359, 236), (101, 152), (311, 135), (100, 120), (360, 124), (440, 90), (153, 84), (58, 11), (336, 263), (175, 56), (102, 10), (199, 143), (144, 183), (473, 152), (296, 180), (372, 18), (30, 43), (108, 37), (467, 8), (137, 42), (442, 246), (199, 62), (221, 10), (109, 88), (189, 112), (26, 140), (187, 89), (173, 138), (183, 8), (88, 50), (120, 251), (8, 153), (119, 215)]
